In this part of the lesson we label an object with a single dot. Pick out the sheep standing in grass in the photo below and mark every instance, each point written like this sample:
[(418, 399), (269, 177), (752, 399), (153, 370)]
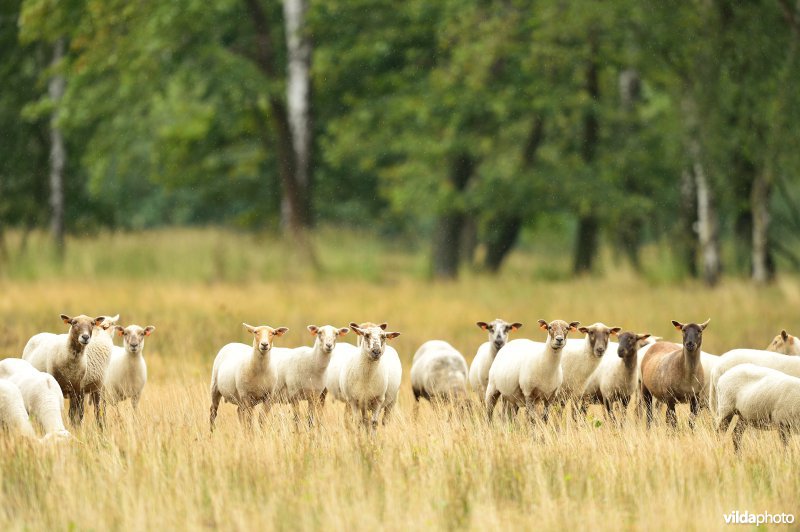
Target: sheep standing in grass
[(479, 369), (13, 416), (98, 353), (300, 372), (42, 396), (785, 343), (438, 373), (579, 359), (761, 397), (673, 375), (616, 378), (363, 380), (243, 374), (526, 372), (64, 357), (126, 373)]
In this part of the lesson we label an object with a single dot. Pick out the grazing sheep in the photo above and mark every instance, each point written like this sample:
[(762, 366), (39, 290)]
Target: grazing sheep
[(786, 364), (438, 373), (363, 380), (580, 358), (243, 374), (43, 399), (785, 343), (761, 397), (300, 372), (674, 375), (64, 357), (13, 416), (98, 353), (525, 372), (616, 378), (479, 369), (126, 373)]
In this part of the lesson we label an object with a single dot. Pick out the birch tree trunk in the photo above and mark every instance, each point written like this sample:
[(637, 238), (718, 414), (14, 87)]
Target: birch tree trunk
[(58, 153), (707, 224), (759, 202)]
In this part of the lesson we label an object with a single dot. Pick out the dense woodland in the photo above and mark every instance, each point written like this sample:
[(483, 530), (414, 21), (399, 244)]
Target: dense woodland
[(619, 123)]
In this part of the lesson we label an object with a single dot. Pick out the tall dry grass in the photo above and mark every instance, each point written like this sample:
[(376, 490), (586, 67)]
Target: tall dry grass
[(162, 468)]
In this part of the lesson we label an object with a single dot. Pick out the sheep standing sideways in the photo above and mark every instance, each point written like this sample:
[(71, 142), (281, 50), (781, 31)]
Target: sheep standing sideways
[(526, 372), (762, 398), (438, 373), (64, 357), (98, 353), (243, 374), (616, 378), (579, 359), (785, 364), (126, 372), (13, 416), (363, 380), (300, 372), (498, 337), (41, 395), (785, 343), (674, 375)]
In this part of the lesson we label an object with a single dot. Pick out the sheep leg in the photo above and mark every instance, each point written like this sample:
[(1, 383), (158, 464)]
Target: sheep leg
[(296, 413), (313, 410), (387, 413), (610, 410), (672, 417), (376, 411), (322, 395), (784, 432), (647, 398), (491, 400), (76, 408), (99, 410), (738, 430), (135, 402), (694, 408), (724, 423), (625, 402), (215, 398), (530, 409), (546, 411), (246, 415)]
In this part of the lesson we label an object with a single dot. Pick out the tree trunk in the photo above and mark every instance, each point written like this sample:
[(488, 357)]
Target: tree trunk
[(685, 238), (707, 225), (58, 153), (759, 202), (586, 243), (298, 98), (447, 233)]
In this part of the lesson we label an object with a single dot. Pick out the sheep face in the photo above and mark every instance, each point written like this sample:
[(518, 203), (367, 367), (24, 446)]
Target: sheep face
[(373, 340), (630, 343), (785, 343), (498, 331), (692, 334), (557, 331), (133, 336), (598, 337), (263, 336), (327, 336), (81, 327)]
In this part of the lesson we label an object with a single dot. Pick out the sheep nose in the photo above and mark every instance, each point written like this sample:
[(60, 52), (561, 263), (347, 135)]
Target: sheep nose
[(264, 346), (498, 343), (329, 347), (85, 338), (376, 352), (600, 350), (559, 339)]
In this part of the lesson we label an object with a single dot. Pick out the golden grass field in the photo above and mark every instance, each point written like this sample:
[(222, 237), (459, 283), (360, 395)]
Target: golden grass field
[(162, 469)]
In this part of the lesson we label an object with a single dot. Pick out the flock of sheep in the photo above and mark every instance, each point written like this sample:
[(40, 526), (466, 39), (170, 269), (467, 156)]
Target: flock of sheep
[(762, 387)]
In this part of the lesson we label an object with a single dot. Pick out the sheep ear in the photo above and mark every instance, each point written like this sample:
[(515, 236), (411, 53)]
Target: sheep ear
[(98, 320), (353, 324), (343, 331), (704, 324), (392, 335), (543, 325), (66, 319), (784, 335), (584, 330), (249, 328), (615, 330), (483, 325), (120, 330), (644, 336), (678, 325), (280, 331), (149, 330), (357, 329), (574, 325), (516, 326), (384, 325), (312, 329), (113, 319)]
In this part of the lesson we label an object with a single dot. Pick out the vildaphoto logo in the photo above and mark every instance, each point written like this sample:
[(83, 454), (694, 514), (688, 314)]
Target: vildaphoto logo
[(747, 518)]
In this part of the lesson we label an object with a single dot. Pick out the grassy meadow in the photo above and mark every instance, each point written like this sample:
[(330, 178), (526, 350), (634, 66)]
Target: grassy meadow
[(162, 469)]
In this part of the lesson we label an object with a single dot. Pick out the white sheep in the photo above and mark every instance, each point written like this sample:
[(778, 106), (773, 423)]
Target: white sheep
[(13, 416), (438, 373), (785, 343), (580, 358), (41, 395), (526, 372), (126, 372), (761, 397), (479, 369), (98, 353), (616, 377), (363, 380), (300, 372), (64, 357), (243, 374), (786, 364), (341, 353)]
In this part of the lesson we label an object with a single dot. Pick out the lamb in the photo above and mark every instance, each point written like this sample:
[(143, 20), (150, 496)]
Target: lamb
[(674, 375), (786, 364), (243, 375), (762, 397), (785, 343), (13, 416), (580, 358), (126, 372), (525, 372), (438, 373), (41, 395), (363, 380), (98, 353), (616, 378), (300, 372), (64, 357), (498, 336)]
